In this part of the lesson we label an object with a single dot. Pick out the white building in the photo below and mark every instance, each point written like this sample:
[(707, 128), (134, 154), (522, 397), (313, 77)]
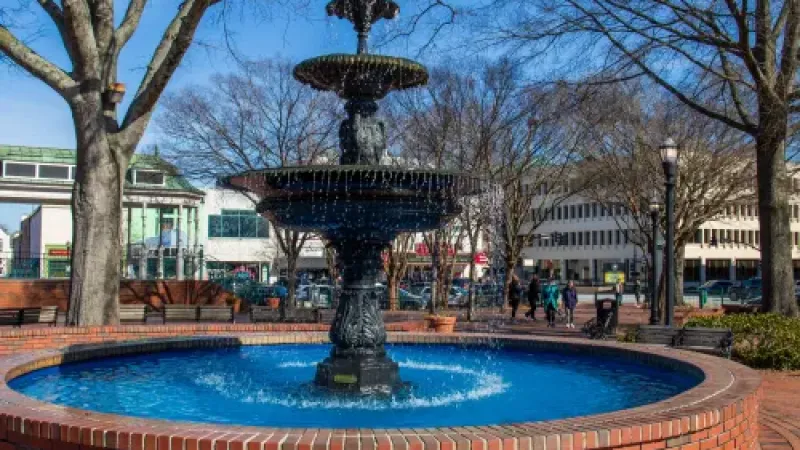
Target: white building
[(5, 251), (725, 248), (235, 238)]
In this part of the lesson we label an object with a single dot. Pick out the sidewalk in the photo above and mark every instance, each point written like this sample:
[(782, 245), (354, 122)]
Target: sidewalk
[(779, 421)]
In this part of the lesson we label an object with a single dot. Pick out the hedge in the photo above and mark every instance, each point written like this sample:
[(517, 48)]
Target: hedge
[(762, 341)]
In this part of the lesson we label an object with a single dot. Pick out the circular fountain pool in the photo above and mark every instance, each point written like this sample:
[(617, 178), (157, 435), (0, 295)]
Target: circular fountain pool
[(270, 385)]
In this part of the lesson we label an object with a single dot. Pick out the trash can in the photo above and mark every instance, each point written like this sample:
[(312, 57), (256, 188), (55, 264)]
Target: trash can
[(605, 307), (703, 298)]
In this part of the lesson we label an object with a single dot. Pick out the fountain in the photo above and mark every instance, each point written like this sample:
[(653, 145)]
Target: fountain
[(359, 206)]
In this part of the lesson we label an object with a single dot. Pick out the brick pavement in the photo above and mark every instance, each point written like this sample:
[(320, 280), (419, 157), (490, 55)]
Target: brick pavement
[(779, 418)]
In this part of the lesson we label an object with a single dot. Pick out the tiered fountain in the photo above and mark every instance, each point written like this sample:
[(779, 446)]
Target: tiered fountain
[(359, 206)]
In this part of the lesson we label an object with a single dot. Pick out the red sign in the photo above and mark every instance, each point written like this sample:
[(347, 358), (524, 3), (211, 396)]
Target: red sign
[(421, 249), (62, 252), (481, 258)]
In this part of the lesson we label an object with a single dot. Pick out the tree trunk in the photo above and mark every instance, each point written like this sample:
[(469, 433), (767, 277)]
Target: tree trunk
[(97, 222), (471, 292), (391, 290), (773, 207), (680, 261), (291, 277)]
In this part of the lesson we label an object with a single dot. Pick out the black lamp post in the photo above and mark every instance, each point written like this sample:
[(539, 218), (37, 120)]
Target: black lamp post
[(669, 161), (655, 213)]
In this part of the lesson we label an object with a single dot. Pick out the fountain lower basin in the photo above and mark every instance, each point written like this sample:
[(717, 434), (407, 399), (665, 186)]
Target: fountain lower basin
[(727, 398)]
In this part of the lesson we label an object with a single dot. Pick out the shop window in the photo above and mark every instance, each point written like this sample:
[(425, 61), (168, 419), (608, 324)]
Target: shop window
[(237, 224), (54, 172), (19, 170), (691, 271)]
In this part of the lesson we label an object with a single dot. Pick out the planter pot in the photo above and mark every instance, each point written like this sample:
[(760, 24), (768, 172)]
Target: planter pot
[(429, 321), (274, 302), (237, 305), (444, 324)]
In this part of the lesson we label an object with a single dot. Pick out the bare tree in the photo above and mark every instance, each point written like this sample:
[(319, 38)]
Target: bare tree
[(395, 263), (93, 41), (257, 118), (622, 123), (735, 61)]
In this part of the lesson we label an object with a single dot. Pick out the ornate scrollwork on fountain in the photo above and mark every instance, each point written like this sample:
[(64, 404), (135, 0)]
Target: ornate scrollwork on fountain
[(362, 136)]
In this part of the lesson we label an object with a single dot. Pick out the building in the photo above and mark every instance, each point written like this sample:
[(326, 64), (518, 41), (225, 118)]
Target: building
[(598, 245), (236, 239), (5, 250), (160, 214)]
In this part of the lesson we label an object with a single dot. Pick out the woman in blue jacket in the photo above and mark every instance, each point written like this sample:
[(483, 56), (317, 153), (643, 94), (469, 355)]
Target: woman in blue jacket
[(570, 298), (550, 300)]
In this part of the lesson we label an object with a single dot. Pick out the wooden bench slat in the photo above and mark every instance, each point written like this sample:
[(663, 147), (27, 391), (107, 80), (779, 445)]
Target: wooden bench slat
[(133, 313), (214, 313)]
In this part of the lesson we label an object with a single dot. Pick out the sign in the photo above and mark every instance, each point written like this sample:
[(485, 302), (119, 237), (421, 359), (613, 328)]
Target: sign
[(421, 249), (58, 252), (345, 379), (481, 258), (613, 277), (313, 249)]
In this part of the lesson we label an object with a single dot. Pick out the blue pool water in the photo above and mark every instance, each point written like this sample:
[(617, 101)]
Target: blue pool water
[(269, 385)]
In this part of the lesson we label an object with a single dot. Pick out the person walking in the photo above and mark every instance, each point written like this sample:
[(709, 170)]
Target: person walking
[(637, 291), (550, 300), (619, 290), (514, 295), (570, 299), (533, 296)]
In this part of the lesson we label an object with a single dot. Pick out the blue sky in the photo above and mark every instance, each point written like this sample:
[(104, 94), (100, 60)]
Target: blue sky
[(33, 115)]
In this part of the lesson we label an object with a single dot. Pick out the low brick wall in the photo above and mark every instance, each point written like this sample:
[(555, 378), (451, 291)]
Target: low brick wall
[(719, 414), (16, 293)]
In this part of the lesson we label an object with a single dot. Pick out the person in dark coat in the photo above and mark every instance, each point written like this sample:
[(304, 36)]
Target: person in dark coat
[(570, 299), (534, 289), (514, 295)]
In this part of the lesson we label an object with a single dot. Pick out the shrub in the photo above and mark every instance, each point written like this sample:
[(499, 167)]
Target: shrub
[(762, 341)]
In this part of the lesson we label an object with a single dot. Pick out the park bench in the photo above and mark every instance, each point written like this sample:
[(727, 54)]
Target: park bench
[(215, 313), (133, 313), (16, 317), (656, 334), (264, 314), (326, 315), (179, 313), (708, 340)]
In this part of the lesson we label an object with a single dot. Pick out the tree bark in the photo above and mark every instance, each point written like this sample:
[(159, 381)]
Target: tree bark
[(97, 220), (471, 293), (773, 207), (291, 278), (680, 261), (391, 291)]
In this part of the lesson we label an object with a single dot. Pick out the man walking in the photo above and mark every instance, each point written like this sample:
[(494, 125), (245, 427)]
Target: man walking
[(533, 296)]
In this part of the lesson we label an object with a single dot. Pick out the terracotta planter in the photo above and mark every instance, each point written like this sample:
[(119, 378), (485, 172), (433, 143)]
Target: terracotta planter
[(274, 302), (237, 305), (429, 321), (444, 324)]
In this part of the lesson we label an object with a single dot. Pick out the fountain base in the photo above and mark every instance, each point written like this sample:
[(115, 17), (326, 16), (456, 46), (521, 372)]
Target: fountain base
[(366, 374)]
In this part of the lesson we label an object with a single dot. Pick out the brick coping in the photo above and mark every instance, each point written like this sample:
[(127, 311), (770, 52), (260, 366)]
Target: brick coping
[(720, 413)]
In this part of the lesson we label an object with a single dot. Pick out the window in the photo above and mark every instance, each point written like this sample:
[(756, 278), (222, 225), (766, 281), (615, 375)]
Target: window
[(571, 211), (580, 238), (587, 239), (594, 237), (758, 237), (151, 177), (572, 239), (587, 208), (594, 209), (619, 236), (558, 213), (602, 238), (625, 236), (237, 224), (610, 237), (54, 172), (580, 211), (19, 170), (602, 211)]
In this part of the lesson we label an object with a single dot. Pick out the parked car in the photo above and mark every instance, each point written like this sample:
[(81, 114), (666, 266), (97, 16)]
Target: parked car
[(746, 292), (717, 288), (406, 300), (456, 297), (315, 295)]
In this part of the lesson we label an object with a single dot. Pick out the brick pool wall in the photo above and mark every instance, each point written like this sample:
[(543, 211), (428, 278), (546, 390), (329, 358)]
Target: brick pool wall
[(719, 414)]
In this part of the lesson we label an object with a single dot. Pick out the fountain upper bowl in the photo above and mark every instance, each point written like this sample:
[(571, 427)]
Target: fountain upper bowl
[(357, 201)]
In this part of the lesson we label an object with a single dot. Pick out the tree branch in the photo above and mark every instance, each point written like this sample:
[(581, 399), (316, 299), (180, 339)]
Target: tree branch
[(34, 64), (168, 55), (129, 23), (78, 27), (55, 13)]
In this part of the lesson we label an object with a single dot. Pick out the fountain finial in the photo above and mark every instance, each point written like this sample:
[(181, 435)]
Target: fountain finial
[(363, 13)]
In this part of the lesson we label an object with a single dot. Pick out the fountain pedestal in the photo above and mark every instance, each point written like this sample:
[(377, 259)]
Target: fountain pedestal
[(358, 361)]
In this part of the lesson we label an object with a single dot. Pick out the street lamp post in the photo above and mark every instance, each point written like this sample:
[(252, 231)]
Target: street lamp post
[(669, 161), (655, 213)]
